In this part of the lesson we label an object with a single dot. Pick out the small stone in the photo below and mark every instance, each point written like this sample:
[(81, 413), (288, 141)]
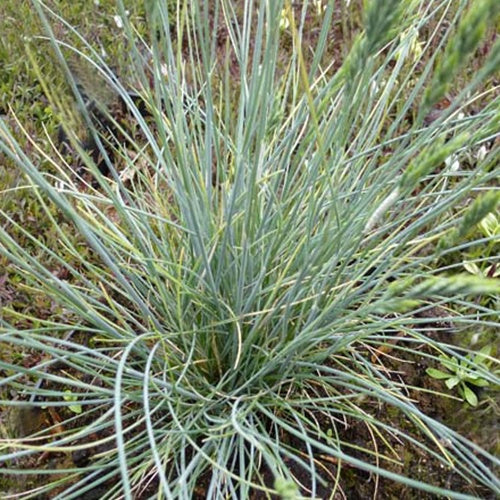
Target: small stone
[(24, 421), (118, 22), (81, 458)]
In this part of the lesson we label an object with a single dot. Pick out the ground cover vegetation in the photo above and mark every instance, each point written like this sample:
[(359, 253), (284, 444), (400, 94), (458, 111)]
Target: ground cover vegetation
[(249, 249)]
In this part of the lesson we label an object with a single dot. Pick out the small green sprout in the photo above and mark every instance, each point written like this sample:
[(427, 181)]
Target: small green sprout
[(490, 272), (286, 489), (69, 396), (463, 373), (284, 23), (490, 225)]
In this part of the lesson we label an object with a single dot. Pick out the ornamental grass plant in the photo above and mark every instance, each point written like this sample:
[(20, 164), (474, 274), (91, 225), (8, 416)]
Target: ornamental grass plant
[(266, 237)]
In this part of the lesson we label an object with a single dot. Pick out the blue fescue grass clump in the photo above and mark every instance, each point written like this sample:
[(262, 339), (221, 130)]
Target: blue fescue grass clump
[(268, 227)]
